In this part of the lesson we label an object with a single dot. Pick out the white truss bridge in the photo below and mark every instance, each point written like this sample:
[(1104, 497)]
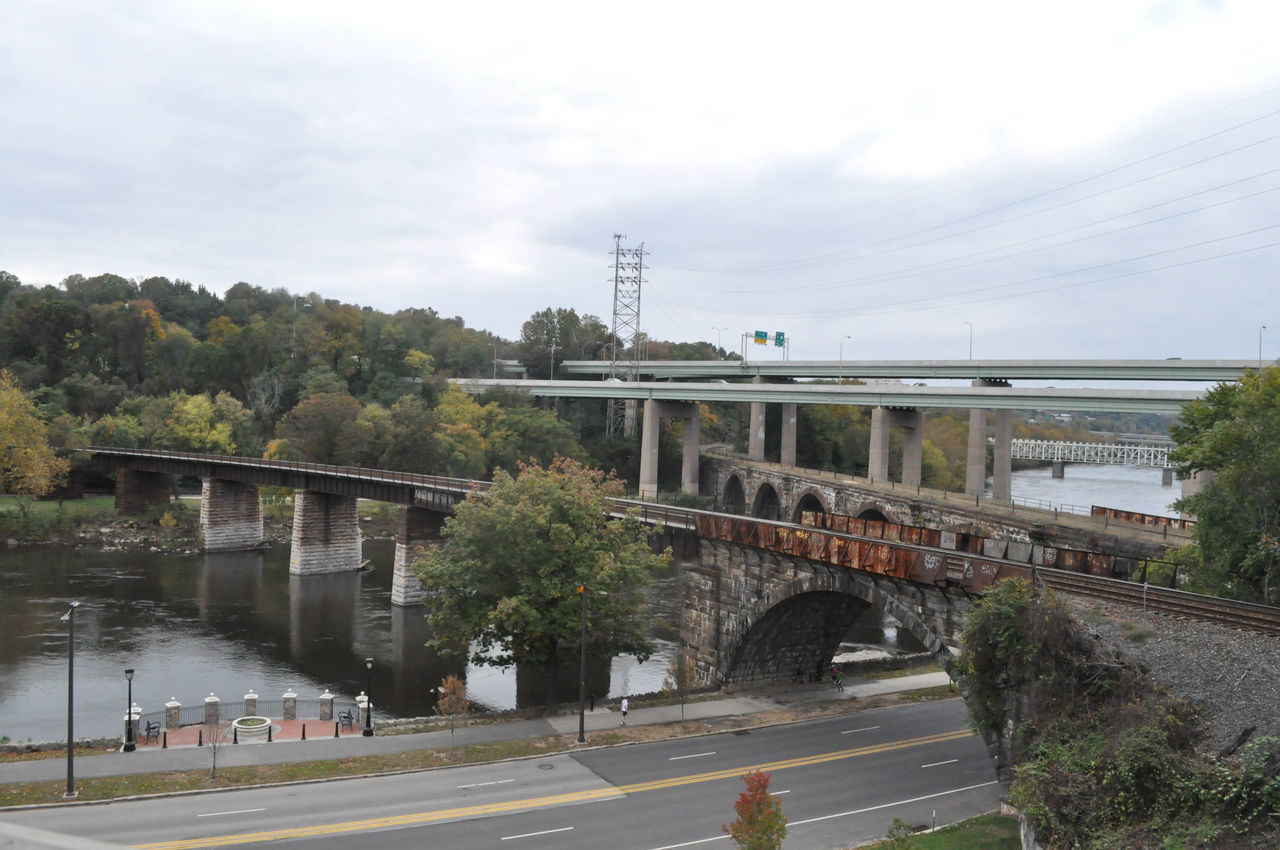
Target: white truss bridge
[(1153, 453)]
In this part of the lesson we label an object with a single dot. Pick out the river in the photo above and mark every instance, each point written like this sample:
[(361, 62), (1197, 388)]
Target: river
[(191, 625)]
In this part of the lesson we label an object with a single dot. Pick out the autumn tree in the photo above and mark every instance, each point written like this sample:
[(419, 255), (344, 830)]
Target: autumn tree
[(452, 700), (1231, 437), (29, 467), (513, 557), (760, 824)]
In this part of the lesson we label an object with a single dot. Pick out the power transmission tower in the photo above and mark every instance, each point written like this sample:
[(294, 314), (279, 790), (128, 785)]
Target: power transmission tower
[(624, 364)]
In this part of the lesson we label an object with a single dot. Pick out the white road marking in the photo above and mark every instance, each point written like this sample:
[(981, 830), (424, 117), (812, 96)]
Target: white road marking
[(863, 729), (694, 756), (838, 815), (483, 784), (937, 763), (533, 834), (236, 812), (779, 793)]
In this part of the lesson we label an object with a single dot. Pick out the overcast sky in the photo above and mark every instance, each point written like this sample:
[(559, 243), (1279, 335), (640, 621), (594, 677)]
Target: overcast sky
[(1084, 179)]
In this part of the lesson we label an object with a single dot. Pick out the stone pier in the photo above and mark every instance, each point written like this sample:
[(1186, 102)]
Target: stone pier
[(230, 516), (418, 528), (137, 491), (326, 534)]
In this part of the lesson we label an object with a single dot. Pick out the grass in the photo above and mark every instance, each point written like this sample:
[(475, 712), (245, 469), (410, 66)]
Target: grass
[(985, 832), (905, 671), (89, 506)]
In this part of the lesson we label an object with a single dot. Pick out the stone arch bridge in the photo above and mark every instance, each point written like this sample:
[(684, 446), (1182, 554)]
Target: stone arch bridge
[(764, 599)]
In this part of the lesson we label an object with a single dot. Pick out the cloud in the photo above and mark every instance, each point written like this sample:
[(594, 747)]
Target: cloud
[(891, 170)]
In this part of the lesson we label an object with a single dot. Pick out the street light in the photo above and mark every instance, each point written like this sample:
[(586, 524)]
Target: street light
[(368, 700), (70, 619), (970, 324), (1260, 330), (718, 332), (494, 346), (553, 361), (840, 371), (582, 670), (129, 745)]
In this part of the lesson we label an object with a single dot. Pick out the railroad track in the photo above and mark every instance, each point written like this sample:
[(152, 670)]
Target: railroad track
[(1163, 600)]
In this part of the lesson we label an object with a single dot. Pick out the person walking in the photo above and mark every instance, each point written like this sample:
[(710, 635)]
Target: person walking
[(624, 712), (837, 678)]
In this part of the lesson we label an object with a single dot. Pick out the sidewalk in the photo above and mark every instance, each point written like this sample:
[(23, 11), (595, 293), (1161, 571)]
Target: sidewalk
[(321, 743)]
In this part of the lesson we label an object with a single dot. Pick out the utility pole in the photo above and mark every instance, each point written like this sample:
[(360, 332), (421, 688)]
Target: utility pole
[(628, 273)]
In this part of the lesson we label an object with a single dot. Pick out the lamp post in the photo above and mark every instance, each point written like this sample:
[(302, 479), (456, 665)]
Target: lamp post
[(70, 619), (368, 694), (129, 745), (553, 361), (970, 324), (582, 670), (494, 346), (840, 370), (1260, 330), (718, 332)]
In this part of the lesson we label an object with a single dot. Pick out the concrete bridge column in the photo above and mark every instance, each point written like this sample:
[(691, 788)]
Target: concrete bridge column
[(1166, 477), (1059, 469), (1002, 457), (788, 453), (975, 470), (137, 491), (690, 456), (418, 528), (1197, 482), (654, 412), (878, 454), (326, 534), (230, 516), (912, 422), (755, 436)]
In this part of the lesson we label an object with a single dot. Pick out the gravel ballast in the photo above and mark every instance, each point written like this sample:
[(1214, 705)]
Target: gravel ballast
[(1232, 676)]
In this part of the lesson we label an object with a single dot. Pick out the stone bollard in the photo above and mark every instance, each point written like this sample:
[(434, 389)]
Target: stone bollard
[(290, 705), (172, 713), (251, 704), (212, 710), (362, 711), (326, 705)]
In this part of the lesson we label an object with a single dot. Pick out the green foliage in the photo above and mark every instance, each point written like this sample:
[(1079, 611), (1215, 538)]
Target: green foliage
[(760, 824), (29, 466), (1101, 758), (1231, 436), (514, 558)]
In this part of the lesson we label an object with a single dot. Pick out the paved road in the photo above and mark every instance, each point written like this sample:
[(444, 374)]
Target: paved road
[(841, 780)]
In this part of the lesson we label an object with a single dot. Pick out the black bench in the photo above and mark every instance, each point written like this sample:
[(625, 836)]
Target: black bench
[(153, 730), (347, 719)]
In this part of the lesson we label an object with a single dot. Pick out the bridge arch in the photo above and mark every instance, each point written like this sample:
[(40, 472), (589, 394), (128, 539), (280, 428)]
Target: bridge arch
[(794, 629), (766, 504), (735, 497), (873, 512), (809, 499)]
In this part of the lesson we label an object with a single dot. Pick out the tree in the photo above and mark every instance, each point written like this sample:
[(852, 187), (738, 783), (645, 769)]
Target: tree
[(452, 700), (29, 467), (513, 558), (1233, 433), (319, 426), (682, 674), (760, 824)]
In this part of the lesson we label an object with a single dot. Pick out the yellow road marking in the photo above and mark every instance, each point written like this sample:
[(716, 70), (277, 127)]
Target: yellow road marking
[(550, 800)]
